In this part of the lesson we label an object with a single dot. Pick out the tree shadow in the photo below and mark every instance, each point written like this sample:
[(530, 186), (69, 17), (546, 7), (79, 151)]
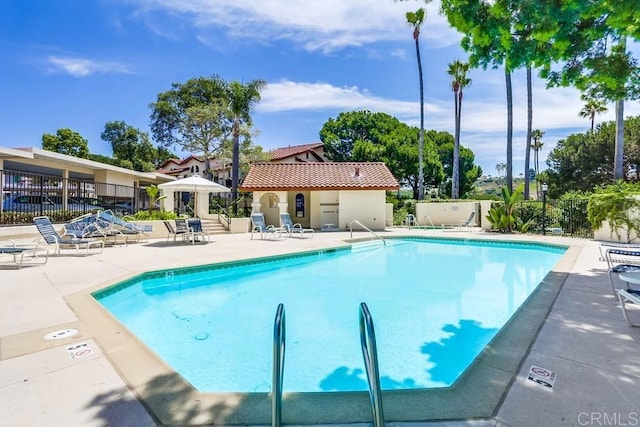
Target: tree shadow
[(453, 354)]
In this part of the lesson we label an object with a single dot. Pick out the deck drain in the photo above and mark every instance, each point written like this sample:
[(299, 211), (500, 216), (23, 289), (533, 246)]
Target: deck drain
[(62, 333)]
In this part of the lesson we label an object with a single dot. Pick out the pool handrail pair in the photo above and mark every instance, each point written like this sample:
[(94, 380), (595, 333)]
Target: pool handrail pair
[(369, 352)]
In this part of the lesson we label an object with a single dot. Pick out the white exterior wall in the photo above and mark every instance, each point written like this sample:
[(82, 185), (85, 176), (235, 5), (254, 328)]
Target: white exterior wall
[(330, 207), (445, 213), (367, 206)]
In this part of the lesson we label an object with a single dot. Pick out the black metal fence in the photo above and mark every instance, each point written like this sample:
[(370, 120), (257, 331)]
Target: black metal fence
[(27, 195), (566, 217)]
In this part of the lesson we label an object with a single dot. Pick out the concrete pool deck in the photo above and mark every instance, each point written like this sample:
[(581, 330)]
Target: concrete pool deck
[(112, 380)]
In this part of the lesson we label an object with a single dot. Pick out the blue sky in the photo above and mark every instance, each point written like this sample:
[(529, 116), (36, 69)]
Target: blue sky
[(79, 64)]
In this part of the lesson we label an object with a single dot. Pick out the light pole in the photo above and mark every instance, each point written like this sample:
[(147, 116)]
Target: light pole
[(545, 187)]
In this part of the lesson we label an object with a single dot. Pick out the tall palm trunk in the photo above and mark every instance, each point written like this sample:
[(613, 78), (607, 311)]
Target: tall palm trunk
[(455, 170), (618, 172), (455, 173), (235, 168), (527, 156), (421, 143), (509, 183)]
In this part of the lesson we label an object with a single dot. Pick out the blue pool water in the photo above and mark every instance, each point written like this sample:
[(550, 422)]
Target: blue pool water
[(435, 304)]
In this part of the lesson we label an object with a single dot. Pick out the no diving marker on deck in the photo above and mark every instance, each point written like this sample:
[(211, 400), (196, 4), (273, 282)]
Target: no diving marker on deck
[(79, 350), (542, 376)]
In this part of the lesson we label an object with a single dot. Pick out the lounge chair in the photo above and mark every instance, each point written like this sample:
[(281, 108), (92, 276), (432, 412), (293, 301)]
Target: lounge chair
[(294, 229), (621, 260), (17, 254), (259, 226), (467, 223), (51, 237), (628, 295)]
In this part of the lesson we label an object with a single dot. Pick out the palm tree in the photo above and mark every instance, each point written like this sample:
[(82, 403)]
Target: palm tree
[(459, 80), (416, 19), (242, 99), (537, 135), (592, 107)]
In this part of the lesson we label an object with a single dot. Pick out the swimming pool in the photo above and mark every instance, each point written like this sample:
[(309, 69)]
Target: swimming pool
[(436, 303)]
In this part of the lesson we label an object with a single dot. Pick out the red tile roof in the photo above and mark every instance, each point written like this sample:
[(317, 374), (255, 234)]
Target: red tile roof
[(319, 176), (283, 153)]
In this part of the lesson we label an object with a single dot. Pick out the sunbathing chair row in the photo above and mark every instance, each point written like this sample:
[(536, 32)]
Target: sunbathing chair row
[(265, 231), (106, 226), (623, 260)]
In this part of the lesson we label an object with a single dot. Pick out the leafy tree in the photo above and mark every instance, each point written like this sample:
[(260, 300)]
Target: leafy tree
[(367, 136), (590, 40), (469, 172), (583, 161), (591, 108), (66, 141), (131, 147), (242, 98), (416, 19), (459, 81), (190, 113)]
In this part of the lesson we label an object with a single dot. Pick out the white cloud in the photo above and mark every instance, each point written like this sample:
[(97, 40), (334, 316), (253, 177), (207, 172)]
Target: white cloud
[(80, 67), (315, 26), (291, 96)]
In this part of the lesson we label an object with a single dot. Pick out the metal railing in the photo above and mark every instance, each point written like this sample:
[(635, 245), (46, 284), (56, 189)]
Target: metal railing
[(223, 214), (370, 354), (366, 228), (279, 338), (27, 195)]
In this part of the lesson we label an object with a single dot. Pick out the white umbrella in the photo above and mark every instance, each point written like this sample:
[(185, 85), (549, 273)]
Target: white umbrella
[(194, 184)]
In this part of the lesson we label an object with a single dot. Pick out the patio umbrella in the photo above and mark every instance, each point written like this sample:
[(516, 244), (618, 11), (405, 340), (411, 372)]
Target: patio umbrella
[(194, 184)]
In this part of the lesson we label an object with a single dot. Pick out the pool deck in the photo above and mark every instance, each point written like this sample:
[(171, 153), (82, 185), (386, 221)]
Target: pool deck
[(109, 381)]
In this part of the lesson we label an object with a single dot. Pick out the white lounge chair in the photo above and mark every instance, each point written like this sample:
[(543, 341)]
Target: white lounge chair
[(294, 229)]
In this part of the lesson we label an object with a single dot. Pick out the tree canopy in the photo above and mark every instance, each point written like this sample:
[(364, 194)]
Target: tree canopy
[(66, 141), (379, 137), (585, 160), (132, 148)]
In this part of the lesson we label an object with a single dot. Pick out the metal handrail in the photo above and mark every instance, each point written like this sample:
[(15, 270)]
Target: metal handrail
[(225, 212), (370, 354), (366, 228), (279, 334)]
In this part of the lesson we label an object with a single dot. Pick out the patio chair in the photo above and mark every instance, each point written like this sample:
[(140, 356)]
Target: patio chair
[(259, 226), (181, 230), (51, 237), (17, 254), (294, 229), (196, 228), (628, 295)]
